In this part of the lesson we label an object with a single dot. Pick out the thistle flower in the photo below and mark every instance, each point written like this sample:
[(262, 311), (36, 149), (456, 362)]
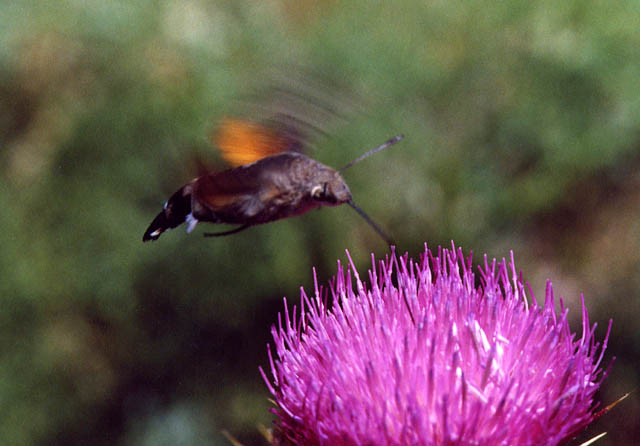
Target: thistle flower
[(423, 356)]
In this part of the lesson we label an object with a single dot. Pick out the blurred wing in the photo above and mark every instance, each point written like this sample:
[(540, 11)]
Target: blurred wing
[(244, 142), (282, 118)]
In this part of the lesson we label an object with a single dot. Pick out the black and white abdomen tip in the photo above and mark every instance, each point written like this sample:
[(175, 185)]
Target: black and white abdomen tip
[(175, 211)]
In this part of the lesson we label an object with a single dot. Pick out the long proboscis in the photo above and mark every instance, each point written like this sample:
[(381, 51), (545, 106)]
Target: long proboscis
[(381, 147), (372, 223)]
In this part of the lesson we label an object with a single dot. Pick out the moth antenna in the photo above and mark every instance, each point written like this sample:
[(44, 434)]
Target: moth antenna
[(381, 147), (372, 223)]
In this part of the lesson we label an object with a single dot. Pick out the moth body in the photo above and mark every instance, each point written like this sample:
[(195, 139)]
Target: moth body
[(279, 186)]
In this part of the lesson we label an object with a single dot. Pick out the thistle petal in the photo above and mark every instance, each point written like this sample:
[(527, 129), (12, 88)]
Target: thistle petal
[(423, 356)]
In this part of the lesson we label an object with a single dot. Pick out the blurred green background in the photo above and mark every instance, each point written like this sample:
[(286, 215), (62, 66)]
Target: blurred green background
[(522, 123)]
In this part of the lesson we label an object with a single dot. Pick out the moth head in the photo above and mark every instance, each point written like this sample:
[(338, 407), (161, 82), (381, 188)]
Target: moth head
[(331, 191)]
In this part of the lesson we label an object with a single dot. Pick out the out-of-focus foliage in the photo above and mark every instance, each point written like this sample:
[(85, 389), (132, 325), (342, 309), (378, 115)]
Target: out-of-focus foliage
[(522, 123)]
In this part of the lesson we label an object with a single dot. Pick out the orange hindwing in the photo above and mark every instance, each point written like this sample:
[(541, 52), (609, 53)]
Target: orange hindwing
[(243, 142)]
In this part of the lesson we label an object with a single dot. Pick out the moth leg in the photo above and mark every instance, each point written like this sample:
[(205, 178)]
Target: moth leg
[(191, 222), (220, 234)]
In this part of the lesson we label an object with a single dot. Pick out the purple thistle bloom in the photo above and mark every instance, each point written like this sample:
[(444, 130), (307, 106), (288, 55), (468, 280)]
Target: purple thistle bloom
[(424, 357)]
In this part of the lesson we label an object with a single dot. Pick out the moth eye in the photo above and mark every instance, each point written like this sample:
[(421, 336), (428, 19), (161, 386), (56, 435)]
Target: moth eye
[(318, 191)]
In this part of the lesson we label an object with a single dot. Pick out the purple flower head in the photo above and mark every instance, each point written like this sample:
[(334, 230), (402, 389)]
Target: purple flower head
[(423, 356)]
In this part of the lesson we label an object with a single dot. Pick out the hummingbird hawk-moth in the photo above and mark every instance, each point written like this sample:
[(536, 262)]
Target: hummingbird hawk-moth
[(270, 179)]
